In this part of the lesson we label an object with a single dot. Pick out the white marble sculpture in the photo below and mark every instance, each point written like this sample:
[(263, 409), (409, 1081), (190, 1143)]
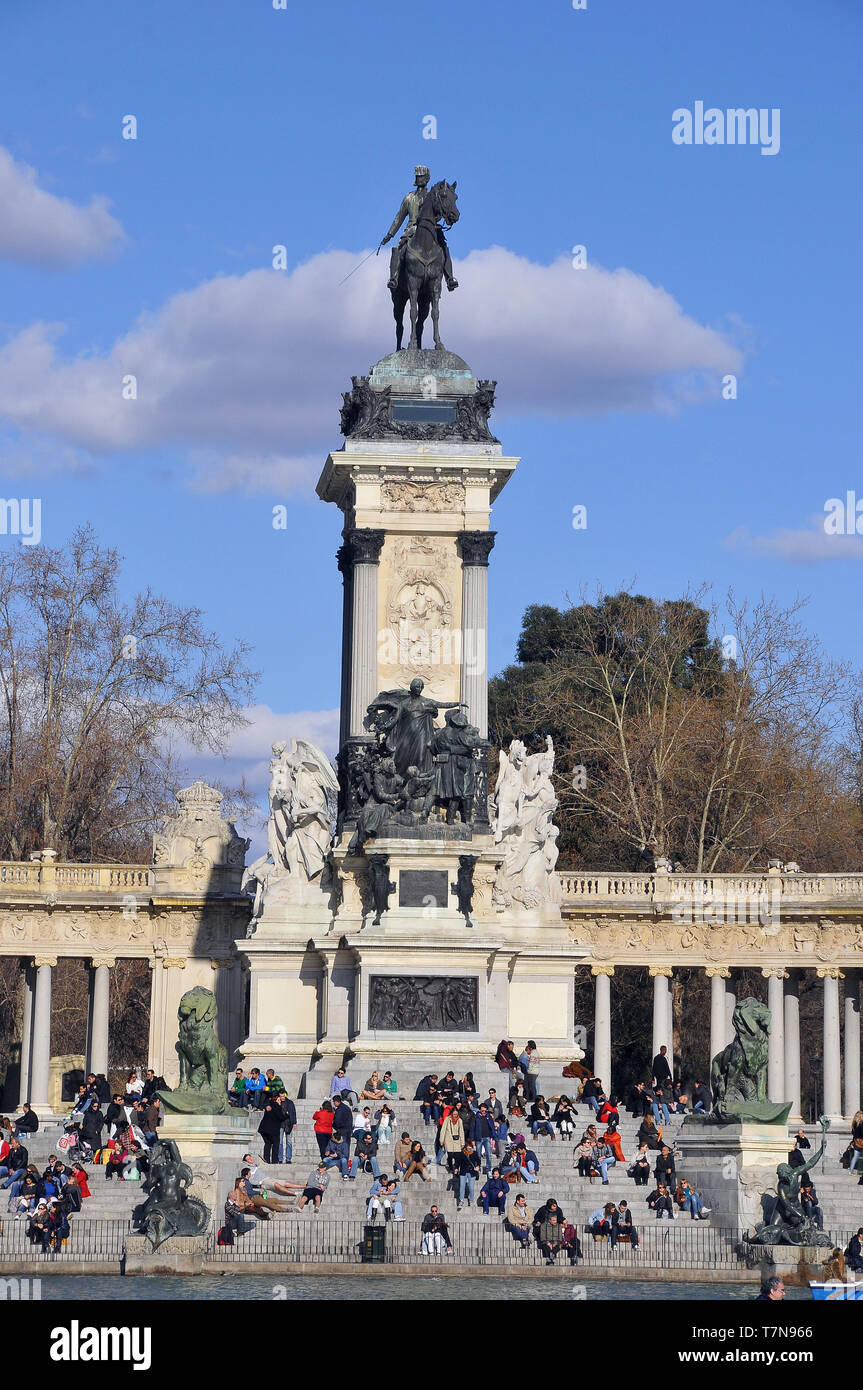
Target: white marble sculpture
[(299, 826), (524, 804)]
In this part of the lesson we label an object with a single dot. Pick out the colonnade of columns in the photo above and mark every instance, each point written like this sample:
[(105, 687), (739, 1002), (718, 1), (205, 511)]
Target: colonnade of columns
[(36, 1026), (783, 1062)]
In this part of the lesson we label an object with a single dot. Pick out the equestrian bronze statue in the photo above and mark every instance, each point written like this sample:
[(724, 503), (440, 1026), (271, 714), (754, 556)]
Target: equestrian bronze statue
[(421, 259)]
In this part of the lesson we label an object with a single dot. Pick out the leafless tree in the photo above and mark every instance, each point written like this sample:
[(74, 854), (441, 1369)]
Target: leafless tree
[(94, 694)]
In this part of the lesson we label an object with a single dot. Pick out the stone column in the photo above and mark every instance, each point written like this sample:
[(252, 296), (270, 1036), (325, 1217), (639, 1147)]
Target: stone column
[(717, 975), (228, 1024), (602, 1024), (852, 1042), (363, 546), (832, 1080), (26, 1035), (730, 1006), (41, 1055), (343, 557), (98, 1041), (661, 974), (475, 549), (792, 1043), (776, 1042), (155, 1043)]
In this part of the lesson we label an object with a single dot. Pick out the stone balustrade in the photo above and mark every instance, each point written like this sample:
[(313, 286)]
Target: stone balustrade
[(580, 889), (824, 892), (74, 878)]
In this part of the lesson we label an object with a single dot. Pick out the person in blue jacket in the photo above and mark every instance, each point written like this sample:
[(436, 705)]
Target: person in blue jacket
[(495, 1191), (255, 1083), (482, 1132)]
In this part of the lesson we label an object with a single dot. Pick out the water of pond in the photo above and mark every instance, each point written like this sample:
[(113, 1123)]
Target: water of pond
[(356, 1287)]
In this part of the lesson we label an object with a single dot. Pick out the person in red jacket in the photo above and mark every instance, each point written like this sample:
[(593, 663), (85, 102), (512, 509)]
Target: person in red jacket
[(612, 1138), (609, 1111), (323, 1122)]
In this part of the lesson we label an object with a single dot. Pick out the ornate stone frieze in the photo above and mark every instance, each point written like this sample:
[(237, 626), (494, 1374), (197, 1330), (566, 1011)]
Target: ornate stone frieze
[(801, 943), (419, 496)]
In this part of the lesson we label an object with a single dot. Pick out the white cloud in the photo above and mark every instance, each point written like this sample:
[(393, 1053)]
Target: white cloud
[(39, 228), (807, 545), (250, 750), (243, 373)]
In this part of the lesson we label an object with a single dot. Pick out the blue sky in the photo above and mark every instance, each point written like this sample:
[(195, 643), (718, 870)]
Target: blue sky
[(259, 127)]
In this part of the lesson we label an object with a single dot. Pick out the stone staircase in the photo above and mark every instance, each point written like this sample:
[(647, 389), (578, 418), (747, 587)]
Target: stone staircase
[(840, 1194)]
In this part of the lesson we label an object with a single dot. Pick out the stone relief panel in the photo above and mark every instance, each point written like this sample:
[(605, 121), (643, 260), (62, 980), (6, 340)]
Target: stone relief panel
[(419, 599), (417, 496), (424, 1003)]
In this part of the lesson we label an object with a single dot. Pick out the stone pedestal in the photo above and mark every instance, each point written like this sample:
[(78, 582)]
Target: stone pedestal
[(732, 1166), (210, 1137), (213, 1146), (177, 1255)]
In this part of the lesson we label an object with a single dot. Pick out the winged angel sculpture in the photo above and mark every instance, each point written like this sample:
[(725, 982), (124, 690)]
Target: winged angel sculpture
[(303, 788)]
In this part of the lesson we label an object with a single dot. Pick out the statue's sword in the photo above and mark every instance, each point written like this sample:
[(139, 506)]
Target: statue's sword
[(362, 263)]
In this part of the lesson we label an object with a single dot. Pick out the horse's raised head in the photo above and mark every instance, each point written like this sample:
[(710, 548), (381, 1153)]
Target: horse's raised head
[(446, 201)]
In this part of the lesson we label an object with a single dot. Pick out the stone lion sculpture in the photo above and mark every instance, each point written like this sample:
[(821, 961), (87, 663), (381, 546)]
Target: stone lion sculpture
[(738, 1075), (203, 1059)]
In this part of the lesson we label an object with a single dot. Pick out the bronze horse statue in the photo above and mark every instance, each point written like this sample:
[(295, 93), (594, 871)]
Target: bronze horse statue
[(422, 265)]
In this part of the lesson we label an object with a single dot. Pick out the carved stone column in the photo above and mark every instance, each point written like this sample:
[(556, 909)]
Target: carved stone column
[(852, 1042), (792, 1043), (40, 1073), (155, 1045), (717, 975), (26, 1033), (602, 1024), (730, 1006), (228, 1024), (663, 1033), (776, 1042), (475, 546), (362, 552), (99, 1015), (832, 1081), (343, 556)]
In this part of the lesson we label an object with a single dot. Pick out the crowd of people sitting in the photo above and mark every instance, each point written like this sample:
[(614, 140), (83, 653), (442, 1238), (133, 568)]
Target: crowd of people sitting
[(47, 1198), (479, 1141), (117, 1137), (486, 1144), (120, 1135)]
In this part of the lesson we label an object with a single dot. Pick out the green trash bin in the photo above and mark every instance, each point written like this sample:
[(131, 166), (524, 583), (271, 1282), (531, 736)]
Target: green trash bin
[(374, 1245)]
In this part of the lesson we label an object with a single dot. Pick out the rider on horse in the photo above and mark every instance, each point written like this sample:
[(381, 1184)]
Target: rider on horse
[(410, 208)]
